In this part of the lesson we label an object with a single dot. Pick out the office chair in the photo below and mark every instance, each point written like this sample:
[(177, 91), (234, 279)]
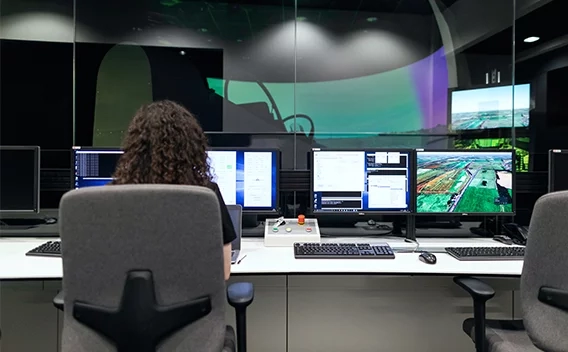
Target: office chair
[(143, 271), (544, 289)]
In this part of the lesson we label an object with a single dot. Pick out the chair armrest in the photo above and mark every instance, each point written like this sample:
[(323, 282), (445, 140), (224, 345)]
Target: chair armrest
[(477, 289), (58, 301), (240, 294), (481, 293)]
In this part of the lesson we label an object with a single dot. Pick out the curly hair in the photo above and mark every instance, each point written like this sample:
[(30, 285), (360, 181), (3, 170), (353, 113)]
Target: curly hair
[(164, 144)]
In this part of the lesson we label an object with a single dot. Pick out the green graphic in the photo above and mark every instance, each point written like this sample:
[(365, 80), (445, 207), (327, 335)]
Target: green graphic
[(124, 83), (521, 148), (385, 102)]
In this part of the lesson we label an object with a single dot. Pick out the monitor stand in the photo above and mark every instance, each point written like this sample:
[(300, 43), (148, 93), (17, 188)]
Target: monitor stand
[(250, 221), (24, 223), (450, 224), (489, 227)]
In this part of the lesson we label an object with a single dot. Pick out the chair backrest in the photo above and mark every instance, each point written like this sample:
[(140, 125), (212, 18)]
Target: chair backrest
[(546, 265), (172, 231)]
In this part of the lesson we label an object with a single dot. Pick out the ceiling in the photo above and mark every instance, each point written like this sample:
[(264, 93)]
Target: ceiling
[(548, 22), (241, 20), (388, 6)]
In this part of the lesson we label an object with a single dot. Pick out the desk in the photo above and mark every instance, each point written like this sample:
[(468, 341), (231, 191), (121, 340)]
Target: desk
[(14, 265), (302, 305)]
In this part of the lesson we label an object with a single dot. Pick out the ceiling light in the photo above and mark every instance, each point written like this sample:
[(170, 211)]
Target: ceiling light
[(301, 18), (531, 39), (372, 19), (182, 53), (202, 30)]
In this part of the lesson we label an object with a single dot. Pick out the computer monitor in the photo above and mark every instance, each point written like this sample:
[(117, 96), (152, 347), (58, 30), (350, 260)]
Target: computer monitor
[(371, 181), (19, 179), (557, 170), (94, 166), (464, 182), (248, 177), (490, 107), (245, 176)]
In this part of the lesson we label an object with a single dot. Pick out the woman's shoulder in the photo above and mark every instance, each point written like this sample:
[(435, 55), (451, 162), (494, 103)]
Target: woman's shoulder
[(212, 185)]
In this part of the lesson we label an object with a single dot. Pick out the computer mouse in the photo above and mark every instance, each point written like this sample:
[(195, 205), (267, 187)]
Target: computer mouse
[(50, 221), (427, 257), (503, 239)]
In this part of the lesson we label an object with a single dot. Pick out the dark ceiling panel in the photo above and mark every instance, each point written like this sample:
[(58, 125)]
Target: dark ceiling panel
[(421, 7), (547, 22)]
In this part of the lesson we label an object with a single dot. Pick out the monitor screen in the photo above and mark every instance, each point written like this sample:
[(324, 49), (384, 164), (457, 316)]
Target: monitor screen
[(19, 179), (94, 166), (465, 182), (361, 181), (488, 108), (557, 170), (248, 177), (245, 176)]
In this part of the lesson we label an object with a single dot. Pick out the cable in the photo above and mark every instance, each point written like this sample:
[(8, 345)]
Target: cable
[(357, 235), (408, 240)]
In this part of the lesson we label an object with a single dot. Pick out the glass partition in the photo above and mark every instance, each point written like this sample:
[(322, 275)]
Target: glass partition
[(292, 74)]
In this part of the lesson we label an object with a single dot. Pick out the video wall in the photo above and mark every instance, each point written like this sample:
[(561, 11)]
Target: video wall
[(407, 99)]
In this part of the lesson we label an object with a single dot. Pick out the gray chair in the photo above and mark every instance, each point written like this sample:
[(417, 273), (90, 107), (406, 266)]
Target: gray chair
[(544, 289), (143, 271)]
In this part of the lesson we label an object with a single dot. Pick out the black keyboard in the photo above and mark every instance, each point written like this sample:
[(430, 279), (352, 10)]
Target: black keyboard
[(487, 253), (48, 249), (342, 251)]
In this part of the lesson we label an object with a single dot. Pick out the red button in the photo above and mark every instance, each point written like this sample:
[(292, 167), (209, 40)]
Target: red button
[(308, 229)]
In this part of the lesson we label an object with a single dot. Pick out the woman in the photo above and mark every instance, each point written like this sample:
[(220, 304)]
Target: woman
[(164, 144)]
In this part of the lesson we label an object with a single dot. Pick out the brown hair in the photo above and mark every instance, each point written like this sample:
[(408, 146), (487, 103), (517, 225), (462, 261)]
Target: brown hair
[(164, 144)]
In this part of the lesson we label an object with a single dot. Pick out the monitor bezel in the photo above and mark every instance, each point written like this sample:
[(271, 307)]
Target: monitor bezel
[(260, 211), (475, 131), (552, 152), (74, 150), (454, 214), (37, 163), (411, 183)]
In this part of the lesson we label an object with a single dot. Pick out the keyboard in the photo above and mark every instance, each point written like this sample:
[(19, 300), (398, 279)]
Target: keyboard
[(486, 253), (342, 251), (48, 249)]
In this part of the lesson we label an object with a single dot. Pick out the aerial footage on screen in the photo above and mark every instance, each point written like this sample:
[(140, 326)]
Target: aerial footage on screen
[(464, 182), (480, 120), (489, 108)]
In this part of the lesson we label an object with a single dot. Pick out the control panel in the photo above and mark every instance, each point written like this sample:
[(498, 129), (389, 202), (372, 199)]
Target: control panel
[(284, 232)]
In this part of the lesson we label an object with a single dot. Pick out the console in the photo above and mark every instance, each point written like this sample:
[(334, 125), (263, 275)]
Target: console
[(283, 232)]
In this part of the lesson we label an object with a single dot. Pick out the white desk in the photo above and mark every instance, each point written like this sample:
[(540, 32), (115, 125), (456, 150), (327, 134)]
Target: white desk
[(15, 265), (301, 305)]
